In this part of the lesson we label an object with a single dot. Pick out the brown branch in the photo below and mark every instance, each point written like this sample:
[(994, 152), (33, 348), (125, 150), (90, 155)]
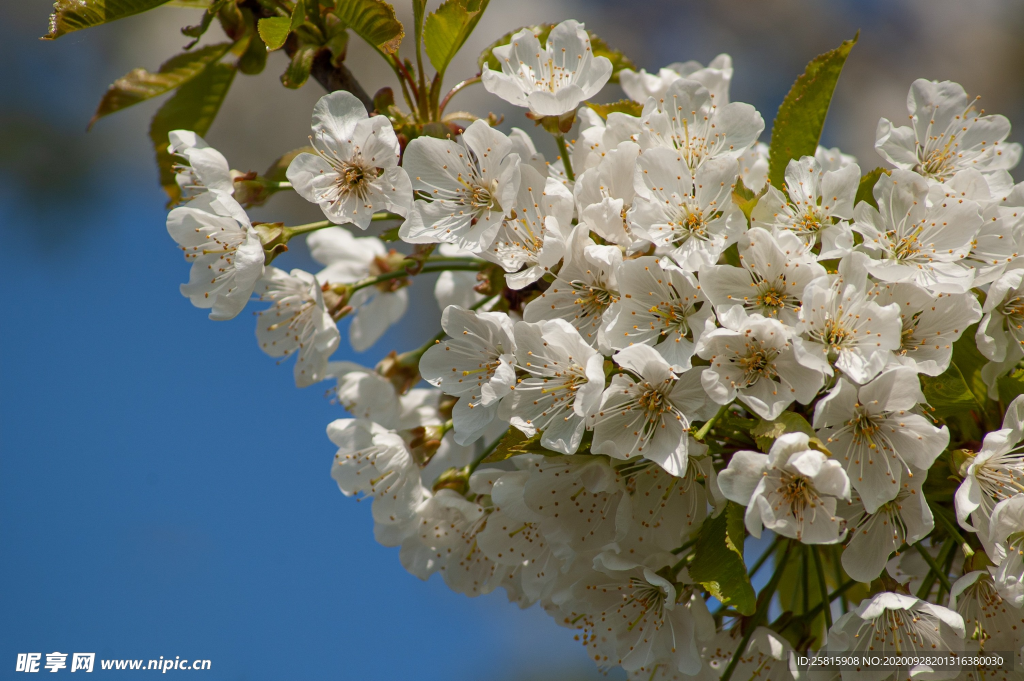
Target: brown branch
[(334, 78)]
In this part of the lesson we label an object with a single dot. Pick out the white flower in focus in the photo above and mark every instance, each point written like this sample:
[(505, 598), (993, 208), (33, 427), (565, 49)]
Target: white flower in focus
[(716, 77), (297, 321), (992, 621), (583, 289), (203, 168), (532, 241), (367, 394), (819, 203), (657, 306), (549, 80), (688, 120), (605, 193), (876, 536), (993, 474), (597, 137), (758, 360), (475, 364), (1000, 241), (771, 281), (895, 624), (844, 326), (649, 417), (225, 251), (946, 134), (792, 490), (347, 260), (1007, 531), (564, 384), (872, 431), (753, 165), (692, 220), (931, 324), (465, 190), (917, 234), (1000, 334), (355, 170)]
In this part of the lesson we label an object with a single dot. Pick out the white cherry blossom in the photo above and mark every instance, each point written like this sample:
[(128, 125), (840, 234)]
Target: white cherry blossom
[(691, 220), (533, 240), (1007, 532), (833, 159), (874, 433), (917, 234), (465, 190), (605, 193), (474, 364), (296, 322), (792, 490), (753, 165), (583, 289), (202, 168), (931, 324), (946, 134), (565, 379), (716, 76), (598, 136), (1000, 241), (347, 260), (688, 120), (993, 474), (992, 620), (759, 361), (227, 257), (355, 170), (649, 417), (658, 306), (1000, 334), (551, 80), (770, 282), (818, 205)]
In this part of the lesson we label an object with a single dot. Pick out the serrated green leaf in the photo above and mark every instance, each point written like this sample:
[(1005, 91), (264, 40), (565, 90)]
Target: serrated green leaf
[(193, 107), (487, 57), (297, 73), (74, 15), (374, 21), (619, 61), (718, 560), (139, 85), (419, 10), (797, 126), (513, 444), (625, 106), (865, 190), (446, 30), (948, 393), (1011, 386), (766, 432), (274, 31)]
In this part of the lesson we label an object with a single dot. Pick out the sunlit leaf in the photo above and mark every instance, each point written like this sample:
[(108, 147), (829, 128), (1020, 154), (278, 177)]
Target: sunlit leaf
[(718, 560), (626, 106), (865, 190), (372, 20), (766, 432), (139, 85), (797, 126), (446, 30), (74, 15), (193, 107), (274, 31), (948, 393), (513, 444)]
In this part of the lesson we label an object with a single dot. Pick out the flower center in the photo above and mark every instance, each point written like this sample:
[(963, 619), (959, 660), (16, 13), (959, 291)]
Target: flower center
[(760, 363)]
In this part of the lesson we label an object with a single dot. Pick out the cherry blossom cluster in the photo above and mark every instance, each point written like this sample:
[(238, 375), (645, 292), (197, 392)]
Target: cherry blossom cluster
[(607, 321)]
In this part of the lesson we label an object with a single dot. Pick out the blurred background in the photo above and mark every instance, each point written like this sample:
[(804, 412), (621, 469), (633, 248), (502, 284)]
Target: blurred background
[(164, 488)]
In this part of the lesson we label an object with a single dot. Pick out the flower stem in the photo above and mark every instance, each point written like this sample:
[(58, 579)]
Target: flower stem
[(484, 454), (765, 599), (372, 281), (938, 571), (706, 428), (950, 528), (455, 89), (823, 590), (563, 150)]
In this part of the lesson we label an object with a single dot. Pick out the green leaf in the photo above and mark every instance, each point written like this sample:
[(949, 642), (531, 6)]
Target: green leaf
[(297, 73), (274, 31), (254, 59), (487, 57), (139, 85), (865, 190), (718, 560), (374, 21), (1011, 386), (193, 107), (74, 15), (419, 9), (619, 61), (446, 30), (513, 444), (948, 393), (970, 362), (766, 432), (798, 125), (626, 106), (744, 198)]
